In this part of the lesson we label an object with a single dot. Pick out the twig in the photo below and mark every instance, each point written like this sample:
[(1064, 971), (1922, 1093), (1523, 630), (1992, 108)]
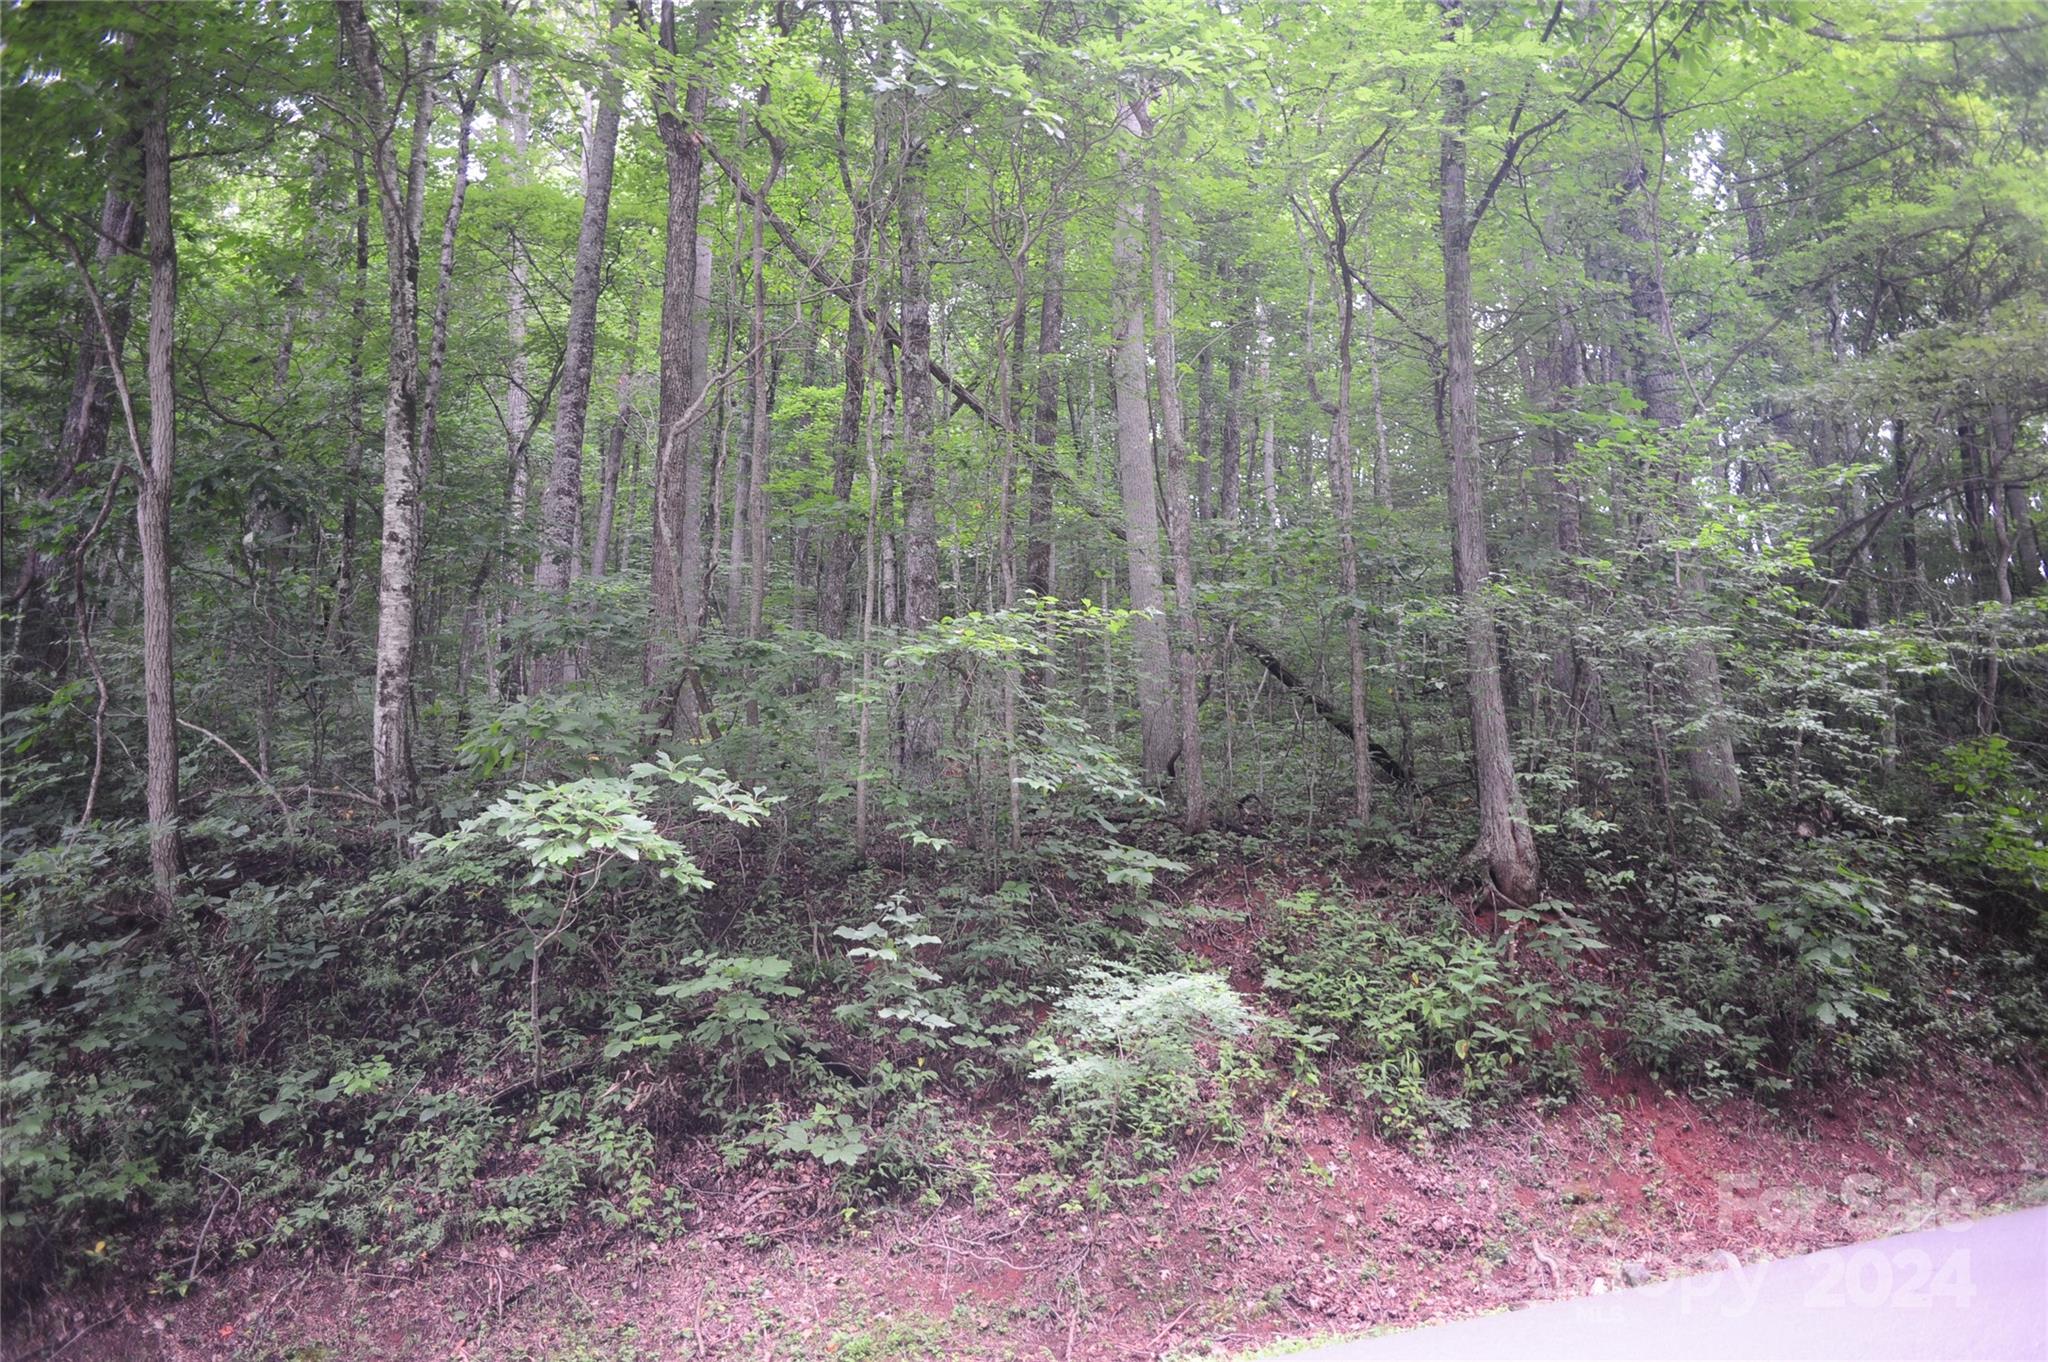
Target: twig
[(282, 807), (59, 1349)]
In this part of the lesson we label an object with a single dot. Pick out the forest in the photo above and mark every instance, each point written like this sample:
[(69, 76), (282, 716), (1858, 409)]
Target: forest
[(1004, 678)]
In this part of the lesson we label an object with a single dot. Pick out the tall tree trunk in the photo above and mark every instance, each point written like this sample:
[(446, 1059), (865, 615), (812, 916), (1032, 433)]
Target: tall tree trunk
[(834, 601), (677, 507), (444, 279), (561, 512), (758, 385), (1382, 466), (1045, 417), (342, 610), (519, 417), (1269, 454), (1711, 773), (1344, 486), (615, 447), (1180, 534), (920, 511), (1136, 474), (920, 508), (400, 204), (153, 508), (1205, 432), (1506, 845), (1229, 471)]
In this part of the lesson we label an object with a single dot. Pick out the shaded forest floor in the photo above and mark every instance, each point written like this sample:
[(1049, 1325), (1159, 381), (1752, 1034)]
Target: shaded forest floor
[(1310, 1227)]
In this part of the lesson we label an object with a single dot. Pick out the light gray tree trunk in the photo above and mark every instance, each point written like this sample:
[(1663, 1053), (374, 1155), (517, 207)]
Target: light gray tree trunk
[(615, 447), (1180, 534), (561, 507), (400, 207), (1045, 417), (1136, 475), (153, 508), (1230, 457), (920, 480)]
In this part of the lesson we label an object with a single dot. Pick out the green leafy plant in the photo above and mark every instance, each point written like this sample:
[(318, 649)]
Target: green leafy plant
[(1145, 1055)]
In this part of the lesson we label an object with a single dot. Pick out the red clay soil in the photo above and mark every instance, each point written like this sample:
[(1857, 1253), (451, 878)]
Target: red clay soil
[(1309, 1228)]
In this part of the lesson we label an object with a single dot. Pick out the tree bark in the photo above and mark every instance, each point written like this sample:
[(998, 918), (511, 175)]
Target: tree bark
[(1136, 475), (920, 512), (920, 508), (561, 511), (677, 591), (1180, 535), (444, 279), (758, 384), (1229, 471), (1045, 418), (615, 447), (153, 508), (1344, 486), (1712, 775), (1506, 845), (400, 207)]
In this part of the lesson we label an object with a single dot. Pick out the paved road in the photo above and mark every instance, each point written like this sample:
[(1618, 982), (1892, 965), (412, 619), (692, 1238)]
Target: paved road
[(1974, 1292)]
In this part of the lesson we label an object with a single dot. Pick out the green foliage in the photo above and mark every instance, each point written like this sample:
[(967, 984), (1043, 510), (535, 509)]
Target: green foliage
[(1431, 1021), (1155, 1058), (552, 732), (1845, 963), (1994, 835)]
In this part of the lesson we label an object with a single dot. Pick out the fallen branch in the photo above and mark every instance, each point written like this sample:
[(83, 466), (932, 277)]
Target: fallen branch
[(1328, 712), (229, 747)]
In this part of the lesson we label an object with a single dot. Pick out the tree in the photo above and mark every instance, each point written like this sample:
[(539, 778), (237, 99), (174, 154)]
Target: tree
[(562, 501), (1159, 732), (1506, 844), (401, 206)]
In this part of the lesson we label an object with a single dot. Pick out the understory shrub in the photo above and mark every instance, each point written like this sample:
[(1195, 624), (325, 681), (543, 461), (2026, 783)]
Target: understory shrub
[(1843, 962), (1426, 1021), (1154, 1059)]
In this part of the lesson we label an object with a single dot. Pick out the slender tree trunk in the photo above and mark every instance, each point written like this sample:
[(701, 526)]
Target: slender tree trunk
[(1205, 432), (153, 509), (1344, 486), (1137, 476), (1506, 845), (1269, 454), (615, 448), (1712, 776), (519, 418), (758, 384), (401, 204), (444, 280), (1382, 466), (920, 512), (343, 609), (38, 641), (677, 506), (920, 509), (561, 512), (1180, 534), (1229, 470), (834, 602), (1045, 418)]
